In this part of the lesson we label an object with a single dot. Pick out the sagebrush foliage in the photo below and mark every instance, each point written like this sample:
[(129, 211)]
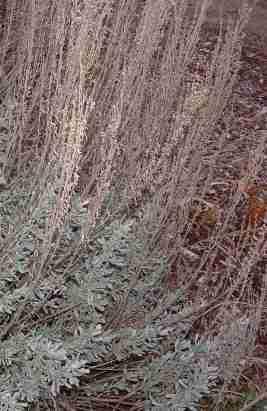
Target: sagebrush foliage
[(98, 90), (42, 358)]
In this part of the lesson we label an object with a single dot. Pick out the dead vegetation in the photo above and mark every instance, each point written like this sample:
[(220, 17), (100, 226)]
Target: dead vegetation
[(150, 115)]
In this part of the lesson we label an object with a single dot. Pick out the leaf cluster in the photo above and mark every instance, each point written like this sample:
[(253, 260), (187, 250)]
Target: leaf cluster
[(46, 356)]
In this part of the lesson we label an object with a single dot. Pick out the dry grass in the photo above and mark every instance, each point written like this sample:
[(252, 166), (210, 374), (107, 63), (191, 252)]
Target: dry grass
[(105, 96)]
